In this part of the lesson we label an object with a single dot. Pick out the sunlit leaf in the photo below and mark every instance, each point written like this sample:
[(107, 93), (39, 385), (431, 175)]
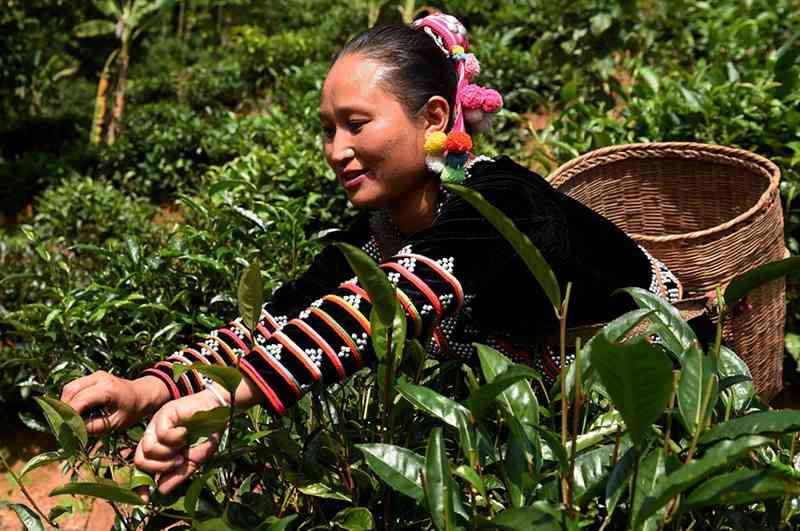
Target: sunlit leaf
[(732, 366), (27, 517), (40, 460), (438, 484), (718, 456), (107, 7), (354, 519), (94, 28), (61, 416), (676, 333), (480, 400), (251, 294), (104, 489), (638, 378), (744, 283), (227, 377), (206, 423), (766, 422), (742, 486), (432, 402), (518, 398), (399, 467), (697, 370), (320, 490), (470, 476), (599, 23), (373, 279), (520, 242)]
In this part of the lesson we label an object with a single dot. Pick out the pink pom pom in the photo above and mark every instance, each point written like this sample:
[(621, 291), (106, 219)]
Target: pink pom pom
[(492, 100), (471, 97), (472, 67)]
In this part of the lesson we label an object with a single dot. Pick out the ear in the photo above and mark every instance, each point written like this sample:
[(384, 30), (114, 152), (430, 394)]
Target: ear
[(436, 114)]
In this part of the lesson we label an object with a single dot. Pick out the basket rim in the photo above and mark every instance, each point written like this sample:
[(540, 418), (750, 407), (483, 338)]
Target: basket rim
[(697, 147)]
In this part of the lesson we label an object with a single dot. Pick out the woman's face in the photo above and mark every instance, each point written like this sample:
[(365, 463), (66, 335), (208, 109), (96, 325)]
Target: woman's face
[(373, 145)]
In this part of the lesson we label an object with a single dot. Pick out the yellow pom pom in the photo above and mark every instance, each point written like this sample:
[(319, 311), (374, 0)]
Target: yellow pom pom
[(455, 50), (434, 144)]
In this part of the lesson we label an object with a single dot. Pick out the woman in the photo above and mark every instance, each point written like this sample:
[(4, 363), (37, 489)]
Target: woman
[(395, 108)]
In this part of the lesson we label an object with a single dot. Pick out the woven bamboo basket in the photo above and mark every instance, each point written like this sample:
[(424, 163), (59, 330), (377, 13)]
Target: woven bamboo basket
[(709, 213)]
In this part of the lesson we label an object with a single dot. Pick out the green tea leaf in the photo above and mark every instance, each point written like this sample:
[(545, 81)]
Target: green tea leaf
[(373, 279), (40, 460), (742, 486), (227, 377), (766, 422), (192, 495), (599, 23), (206, 423), (27, 517), (592, 469), (519, 399), (520, 242), (354, 519), (399, 467), (718, 456), (470, 476), (251, 294), (693, 392), (742, 284), (62, 417), (651, 470), (429, 400), (106, 490), (676, 333), (528, 518), (320, 490), (650, 78), (94, 28), (618, 481), (438, 484), (480, 400), (638, 378), (732, 366), (107, 7)]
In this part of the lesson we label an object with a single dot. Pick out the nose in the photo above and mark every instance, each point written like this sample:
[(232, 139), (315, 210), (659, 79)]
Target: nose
[(341, 150)]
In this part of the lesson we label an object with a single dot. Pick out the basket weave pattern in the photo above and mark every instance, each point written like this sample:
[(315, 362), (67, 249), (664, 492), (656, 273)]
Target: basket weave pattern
[(709, 213)]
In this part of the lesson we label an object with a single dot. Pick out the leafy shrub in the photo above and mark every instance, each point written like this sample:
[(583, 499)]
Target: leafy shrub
[(158, 153), (662, 435)]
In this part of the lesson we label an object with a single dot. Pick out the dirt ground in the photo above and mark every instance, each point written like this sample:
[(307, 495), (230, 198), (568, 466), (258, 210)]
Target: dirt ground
[(19, 444)]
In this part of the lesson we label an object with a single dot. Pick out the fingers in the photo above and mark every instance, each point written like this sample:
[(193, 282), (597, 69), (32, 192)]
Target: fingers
[(153, 457), (99, 425), (79, 384), (196, 456)]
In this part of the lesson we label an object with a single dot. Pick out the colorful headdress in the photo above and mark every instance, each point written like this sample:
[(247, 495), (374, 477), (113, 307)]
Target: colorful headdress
[(473, 103)]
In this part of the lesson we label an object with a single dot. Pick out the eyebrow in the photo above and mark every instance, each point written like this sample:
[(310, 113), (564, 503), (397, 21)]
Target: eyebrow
[(345, 110)]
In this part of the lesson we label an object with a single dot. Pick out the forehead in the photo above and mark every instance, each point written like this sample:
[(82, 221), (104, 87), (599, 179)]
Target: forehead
[(354, 82)]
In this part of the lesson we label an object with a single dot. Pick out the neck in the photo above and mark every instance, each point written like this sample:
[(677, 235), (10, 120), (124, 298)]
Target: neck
[(418, 212)]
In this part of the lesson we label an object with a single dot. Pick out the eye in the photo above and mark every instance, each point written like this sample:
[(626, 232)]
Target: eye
[(328, 132), (354, 126)]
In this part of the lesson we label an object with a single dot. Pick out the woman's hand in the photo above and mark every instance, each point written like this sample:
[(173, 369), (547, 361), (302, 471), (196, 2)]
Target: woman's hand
[(120, 402), (163, 448)]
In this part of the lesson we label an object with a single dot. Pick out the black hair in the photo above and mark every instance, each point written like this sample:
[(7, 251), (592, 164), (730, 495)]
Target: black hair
[(417, 68)]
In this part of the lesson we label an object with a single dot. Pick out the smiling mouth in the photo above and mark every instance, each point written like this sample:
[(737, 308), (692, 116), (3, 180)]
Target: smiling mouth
[(351, 176)]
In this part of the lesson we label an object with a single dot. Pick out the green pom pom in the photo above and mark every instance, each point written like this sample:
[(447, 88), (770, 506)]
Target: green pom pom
[(452, 175)]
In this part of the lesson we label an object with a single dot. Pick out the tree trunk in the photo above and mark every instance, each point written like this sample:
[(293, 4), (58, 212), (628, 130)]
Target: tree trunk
[(119, 93), (99, 108)]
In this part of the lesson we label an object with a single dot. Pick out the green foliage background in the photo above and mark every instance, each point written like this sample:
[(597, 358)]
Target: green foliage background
[(111, 255)]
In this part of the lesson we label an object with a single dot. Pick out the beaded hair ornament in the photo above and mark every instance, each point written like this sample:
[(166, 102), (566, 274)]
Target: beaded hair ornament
[(448, 153)]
